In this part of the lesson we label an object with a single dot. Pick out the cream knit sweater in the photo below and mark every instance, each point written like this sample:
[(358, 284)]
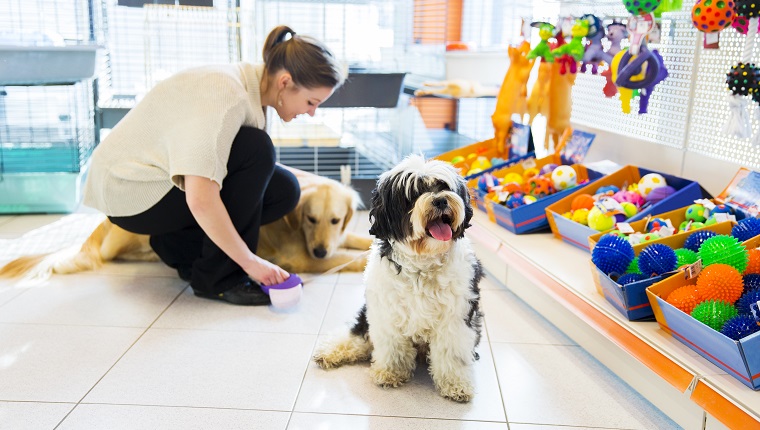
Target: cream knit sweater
[(185, 125)]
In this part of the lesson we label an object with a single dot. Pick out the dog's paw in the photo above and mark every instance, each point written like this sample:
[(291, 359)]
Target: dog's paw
[(389, 378), (460, 392)]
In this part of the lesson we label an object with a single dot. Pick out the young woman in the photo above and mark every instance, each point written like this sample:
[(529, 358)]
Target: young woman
[(192, 166)]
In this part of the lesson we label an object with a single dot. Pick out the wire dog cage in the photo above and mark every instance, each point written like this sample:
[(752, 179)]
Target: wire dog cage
[(47, 131)]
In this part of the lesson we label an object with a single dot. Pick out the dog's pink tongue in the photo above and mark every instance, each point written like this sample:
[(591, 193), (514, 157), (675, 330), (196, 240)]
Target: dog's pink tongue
[(440, 230)]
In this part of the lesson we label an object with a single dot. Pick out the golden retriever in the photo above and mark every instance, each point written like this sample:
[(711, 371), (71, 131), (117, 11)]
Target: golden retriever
[(310, 239)]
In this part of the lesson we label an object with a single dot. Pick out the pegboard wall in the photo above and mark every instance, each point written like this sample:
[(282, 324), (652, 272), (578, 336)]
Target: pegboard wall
[(687, 111)]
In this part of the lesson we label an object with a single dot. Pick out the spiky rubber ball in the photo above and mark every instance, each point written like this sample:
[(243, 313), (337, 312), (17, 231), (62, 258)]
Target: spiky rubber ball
[(744, 302), (753, 262), (657, 259), (714, 314), (723, 249), (720, 282), (695, 240), (685, 257), (742, 79), (740, 327), (751, 282), (746, 229), (612, 254), (685, 298)]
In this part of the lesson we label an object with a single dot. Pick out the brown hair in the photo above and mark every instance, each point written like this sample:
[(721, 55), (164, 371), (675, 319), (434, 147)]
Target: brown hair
[(309, 62)]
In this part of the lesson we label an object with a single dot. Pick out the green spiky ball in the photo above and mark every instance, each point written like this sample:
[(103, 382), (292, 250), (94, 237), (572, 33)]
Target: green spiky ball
[(686, 256), (634, 266), (714, 314), (725, 250)]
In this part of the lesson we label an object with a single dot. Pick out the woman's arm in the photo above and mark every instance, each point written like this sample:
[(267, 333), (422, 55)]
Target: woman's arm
[(206, 205)]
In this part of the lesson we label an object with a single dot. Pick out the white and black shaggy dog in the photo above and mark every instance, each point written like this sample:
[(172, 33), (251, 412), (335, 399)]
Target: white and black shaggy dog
[(421, 282)]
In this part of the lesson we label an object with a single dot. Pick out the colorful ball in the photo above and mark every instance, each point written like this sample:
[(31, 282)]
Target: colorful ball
[(630, 278), (599, 220), (741, 24), (629, 196), (515, 200), (630, 209), (746, 229), (547, 169), (514, 177), (607, 189), (720, 282), (538, 186), (564, 177), (714, 314), (695, 213), (530, 172), (511, 187), (582, 201), (685, 257), (751, 282), (742, 78), (659, 194), (747, 8), (649, 237), (722, 209), (723, 249), (655, 224), (753, 262), (481, 162), (641, 7), (685, 298), (695, 240), (634, 266), (612, 254), (580, 216), (712, 16), (740, 327), (657, 259), (748, 298), (486, 182), (649, 182), (529, 199)]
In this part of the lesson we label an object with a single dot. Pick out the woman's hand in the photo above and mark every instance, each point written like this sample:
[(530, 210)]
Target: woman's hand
[(265, 273)]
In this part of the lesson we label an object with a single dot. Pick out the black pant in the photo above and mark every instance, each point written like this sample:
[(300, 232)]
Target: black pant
[(255, 192)]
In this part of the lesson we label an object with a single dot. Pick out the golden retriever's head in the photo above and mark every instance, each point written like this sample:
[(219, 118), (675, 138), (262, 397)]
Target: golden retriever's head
[(323, 213)]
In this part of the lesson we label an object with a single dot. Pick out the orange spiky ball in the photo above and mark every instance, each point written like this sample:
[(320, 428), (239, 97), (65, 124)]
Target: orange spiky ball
[(685, 298), (753, 266), (720, 282)]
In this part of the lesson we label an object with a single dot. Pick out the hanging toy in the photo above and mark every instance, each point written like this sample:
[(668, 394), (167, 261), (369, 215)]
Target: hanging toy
[(641, 7), (668, 6), (711, 16), (738, 124), (545, 32), (571, 53), (646, 92), (741, 23), (512, 94), (594, 51), (538, 101), (616, 33)]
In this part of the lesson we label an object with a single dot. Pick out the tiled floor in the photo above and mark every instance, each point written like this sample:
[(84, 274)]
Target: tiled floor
[(129, 347)]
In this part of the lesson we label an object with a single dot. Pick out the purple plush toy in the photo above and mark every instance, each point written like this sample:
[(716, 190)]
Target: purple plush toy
[(616, 33), (594, 51), (647, 91)]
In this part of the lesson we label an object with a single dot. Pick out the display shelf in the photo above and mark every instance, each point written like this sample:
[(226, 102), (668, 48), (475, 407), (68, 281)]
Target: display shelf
[(555, 279)]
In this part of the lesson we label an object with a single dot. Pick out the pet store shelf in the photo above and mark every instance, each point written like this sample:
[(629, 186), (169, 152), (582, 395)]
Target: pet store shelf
[(555, 279)]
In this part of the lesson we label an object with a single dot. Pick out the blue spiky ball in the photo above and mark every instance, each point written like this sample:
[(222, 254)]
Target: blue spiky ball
[(746, 229), (657, 259), (630, 278), (694, 241), (746, 299), (752, 282), (740, 327), (612, 254)]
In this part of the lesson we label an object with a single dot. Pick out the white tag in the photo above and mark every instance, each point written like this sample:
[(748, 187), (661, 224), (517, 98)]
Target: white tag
[(625, 227), (753, 211), (711, 38), (489, 181), (643, 27), (529, 163), (670, 224), (503, 196), (706, 203), (755, 309), (721, 217), (692, 270)]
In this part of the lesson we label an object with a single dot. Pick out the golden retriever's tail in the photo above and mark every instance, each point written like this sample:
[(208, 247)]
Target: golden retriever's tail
[(67, 260)]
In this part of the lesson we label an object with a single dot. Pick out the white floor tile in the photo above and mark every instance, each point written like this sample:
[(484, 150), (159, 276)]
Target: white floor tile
[(9, 291), (57, 363), (542, 384), (18, 225), (302, 421), (346, 302), (349, 390), (130, 417), (509, 319), (192, 312), (32, 415), (518, 426), (208, 369), (87, 299), (141, 268)]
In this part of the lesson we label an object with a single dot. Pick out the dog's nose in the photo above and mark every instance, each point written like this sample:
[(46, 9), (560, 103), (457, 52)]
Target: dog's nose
[(440, 202), (320, 252)]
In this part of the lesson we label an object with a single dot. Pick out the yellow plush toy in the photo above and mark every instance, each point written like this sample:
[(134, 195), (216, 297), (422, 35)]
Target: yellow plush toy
[(513, 94)]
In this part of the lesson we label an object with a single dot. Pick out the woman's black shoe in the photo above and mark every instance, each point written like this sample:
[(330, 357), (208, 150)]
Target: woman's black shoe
[(246, 293)]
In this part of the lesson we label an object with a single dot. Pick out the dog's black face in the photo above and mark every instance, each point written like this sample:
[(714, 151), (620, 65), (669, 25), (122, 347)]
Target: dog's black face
[(420, 203)]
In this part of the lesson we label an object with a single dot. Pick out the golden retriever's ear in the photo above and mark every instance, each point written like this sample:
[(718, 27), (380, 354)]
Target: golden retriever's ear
[(354, 201), (293, 219)]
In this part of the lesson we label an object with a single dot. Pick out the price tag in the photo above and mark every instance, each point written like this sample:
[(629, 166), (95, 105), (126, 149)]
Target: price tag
[(722, 217), (692, 270), (529, 163), (625, 227), (755, 309), (489, 181), (503, 196), (712, 40), (706, 203)]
